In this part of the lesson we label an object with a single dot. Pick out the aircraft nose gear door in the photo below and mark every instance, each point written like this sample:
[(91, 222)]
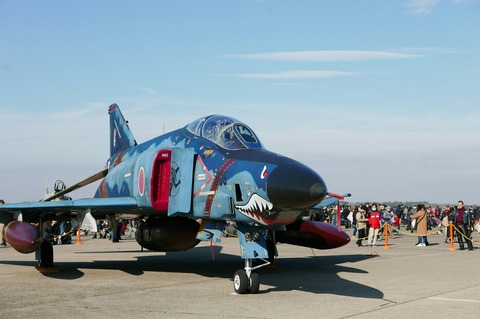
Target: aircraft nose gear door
[(181, 182)]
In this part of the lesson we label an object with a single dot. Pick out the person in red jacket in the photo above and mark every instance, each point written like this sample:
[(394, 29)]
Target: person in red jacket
[(374, 222), (396, 223)]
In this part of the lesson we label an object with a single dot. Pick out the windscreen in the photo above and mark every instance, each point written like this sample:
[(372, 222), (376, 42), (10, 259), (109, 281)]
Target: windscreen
[(225, 131)]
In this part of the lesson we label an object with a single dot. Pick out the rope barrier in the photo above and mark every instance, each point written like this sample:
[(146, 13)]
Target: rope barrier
[(385, 234), (464, 235), (227, 234), (381, 228), (62, 235), (70, 232), (436, 232), (386, 226)]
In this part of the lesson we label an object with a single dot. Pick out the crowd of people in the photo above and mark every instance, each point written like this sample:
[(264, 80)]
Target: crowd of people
[(368, 221)]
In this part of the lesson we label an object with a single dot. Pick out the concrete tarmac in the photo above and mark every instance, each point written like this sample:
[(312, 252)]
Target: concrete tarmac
[(101, 279)]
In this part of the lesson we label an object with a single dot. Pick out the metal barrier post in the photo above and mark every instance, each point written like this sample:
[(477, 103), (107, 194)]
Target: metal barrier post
[(386, 236), (452, 241), (78, 237)]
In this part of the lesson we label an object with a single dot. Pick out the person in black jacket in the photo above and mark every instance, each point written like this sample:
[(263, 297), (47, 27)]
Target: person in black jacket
[(462, 221)]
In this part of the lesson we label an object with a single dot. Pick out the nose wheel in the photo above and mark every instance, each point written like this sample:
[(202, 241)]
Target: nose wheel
[(247, 281)]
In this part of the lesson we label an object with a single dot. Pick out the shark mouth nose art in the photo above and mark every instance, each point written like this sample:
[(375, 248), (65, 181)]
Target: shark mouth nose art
[(257, 208)]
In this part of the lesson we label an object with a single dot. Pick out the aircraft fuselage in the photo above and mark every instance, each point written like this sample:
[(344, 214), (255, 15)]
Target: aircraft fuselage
[(252, 185)]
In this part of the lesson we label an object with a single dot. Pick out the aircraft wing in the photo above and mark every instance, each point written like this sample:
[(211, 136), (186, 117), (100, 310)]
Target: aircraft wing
[(328, 201), (332, 199), (99, 207)]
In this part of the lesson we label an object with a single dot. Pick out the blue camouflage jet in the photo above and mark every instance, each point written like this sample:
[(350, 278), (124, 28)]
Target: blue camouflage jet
[(183, 187)]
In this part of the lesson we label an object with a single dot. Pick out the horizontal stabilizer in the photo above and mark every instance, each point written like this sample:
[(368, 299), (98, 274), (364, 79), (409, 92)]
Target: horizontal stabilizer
[(81, 184)]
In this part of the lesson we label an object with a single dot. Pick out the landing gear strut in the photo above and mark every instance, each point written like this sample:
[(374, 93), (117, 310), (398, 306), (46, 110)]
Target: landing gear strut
[(247, 281), (253, 248), (44, 255)]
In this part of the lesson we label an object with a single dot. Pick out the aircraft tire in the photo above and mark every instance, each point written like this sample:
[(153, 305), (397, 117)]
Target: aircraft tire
[(46, 254), (254, 283), (240, 282)]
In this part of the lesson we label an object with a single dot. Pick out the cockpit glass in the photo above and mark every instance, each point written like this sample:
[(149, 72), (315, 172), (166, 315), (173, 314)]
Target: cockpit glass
[(246, 134), (196, 126), (225, 131), (214, 126), (230, 140)]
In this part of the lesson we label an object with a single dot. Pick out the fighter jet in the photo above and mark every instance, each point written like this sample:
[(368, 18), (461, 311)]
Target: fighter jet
[(183, 187)]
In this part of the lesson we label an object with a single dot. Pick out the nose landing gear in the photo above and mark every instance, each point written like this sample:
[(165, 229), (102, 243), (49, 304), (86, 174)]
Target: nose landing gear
[(247, 281)]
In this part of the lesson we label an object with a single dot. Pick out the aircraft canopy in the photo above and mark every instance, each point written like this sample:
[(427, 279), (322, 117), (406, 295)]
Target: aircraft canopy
[(225, 131)]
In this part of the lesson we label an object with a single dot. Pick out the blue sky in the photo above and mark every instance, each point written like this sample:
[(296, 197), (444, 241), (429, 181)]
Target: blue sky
[(379, 97)]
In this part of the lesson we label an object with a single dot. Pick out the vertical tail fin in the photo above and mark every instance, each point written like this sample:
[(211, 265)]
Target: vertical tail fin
[(121, 138)]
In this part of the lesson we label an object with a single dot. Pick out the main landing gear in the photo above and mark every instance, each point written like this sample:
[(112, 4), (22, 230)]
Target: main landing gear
[(44, 256), (247, 281)]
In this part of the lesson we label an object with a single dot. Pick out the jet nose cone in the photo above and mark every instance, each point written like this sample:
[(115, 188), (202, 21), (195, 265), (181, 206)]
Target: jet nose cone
[(295, 186)]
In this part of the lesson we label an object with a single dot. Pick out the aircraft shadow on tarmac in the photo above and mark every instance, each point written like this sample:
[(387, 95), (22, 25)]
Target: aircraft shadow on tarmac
[(316, 274)]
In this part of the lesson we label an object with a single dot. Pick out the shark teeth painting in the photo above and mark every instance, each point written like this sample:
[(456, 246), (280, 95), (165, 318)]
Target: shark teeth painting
[(257, 208)]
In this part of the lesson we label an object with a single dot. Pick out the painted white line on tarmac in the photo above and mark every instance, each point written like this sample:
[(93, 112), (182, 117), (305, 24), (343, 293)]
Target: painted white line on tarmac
[(452, 299)]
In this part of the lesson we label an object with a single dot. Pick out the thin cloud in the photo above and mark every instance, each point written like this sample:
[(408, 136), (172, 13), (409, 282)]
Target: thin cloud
[(146, 90), (425, 7), (325, 56), (300, 74), (421, 7)]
